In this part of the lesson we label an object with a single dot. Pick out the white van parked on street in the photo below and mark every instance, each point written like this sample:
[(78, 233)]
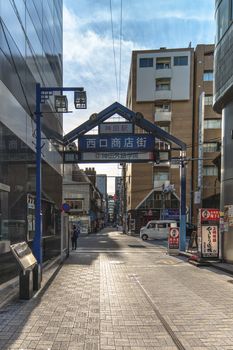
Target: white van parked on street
[(157, 229)]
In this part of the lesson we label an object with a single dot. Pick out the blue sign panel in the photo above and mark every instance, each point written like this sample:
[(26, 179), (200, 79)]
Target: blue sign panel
[(171, 214), (109, 143)]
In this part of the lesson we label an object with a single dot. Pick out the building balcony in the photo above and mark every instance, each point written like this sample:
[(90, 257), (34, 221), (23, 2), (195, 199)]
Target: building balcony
[(163, 95), (160, 184), (163, 73), (163, 116)]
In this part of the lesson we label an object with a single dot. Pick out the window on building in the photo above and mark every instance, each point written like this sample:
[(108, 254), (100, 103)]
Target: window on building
[(210, 171), (75, 204), (146, 62), (208, 75), (208, 100), (161, 176), (181, 61), (163, 62), (164, 107), (163, 84), (165, 127), (212, 124), (222, 18), (210, 147), (161, 145)]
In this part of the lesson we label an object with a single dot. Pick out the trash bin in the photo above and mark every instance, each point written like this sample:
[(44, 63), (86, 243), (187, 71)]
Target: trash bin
[(26, 262)]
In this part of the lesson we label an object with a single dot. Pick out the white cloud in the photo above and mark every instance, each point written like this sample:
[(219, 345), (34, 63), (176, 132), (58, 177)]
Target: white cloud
[(89, 62), (88, 47)]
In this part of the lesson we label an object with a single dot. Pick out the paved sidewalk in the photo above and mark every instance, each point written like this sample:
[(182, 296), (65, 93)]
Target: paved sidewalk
[(118, 293)]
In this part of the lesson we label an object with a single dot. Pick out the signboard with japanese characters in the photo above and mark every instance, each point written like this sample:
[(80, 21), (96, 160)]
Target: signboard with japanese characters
[(209, 241), (209, 214), (116, 128), (174, 240), (110, 143), (102, 157), (71, 157), (208, 232)]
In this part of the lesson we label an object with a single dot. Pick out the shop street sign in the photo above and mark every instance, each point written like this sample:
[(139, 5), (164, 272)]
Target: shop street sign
[(116, 128), (129, 157), (119, 143), (73, 157)]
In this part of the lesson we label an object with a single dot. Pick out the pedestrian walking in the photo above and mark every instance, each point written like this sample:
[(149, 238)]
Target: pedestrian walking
[(74, 237)]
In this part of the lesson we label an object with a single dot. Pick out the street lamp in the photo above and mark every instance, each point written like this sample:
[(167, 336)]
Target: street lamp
[(61, 103), (61, 106), (80, 99)]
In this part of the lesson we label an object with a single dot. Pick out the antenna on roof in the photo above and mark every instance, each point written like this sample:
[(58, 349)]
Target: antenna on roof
[(190, 44)]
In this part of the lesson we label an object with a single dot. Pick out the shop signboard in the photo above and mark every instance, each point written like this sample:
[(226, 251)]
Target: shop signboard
[(174, 240), (209, 214), (208, 233), (210, 241)]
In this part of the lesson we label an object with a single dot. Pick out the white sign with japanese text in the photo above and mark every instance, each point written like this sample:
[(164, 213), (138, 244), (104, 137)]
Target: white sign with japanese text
[(209, 240), (116, 128)]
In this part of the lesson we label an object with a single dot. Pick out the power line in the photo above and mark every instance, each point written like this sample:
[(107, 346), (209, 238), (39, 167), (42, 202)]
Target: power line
[(113, 47), (120, 54)]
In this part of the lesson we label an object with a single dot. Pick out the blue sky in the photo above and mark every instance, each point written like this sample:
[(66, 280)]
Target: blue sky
[(149, 24)]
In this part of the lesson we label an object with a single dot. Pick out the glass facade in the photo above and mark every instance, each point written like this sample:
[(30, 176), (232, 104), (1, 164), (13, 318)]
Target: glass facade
[(30, 53)]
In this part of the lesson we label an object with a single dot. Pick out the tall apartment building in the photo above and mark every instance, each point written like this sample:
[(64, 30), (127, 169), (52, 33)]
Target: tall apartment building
[(223, 102), (207, 133), (30, 53), (164, 85)]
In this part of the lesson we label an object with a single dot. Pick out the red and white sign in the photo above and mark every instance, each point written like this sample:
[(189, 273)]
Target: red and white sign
[(174, 239), (209, 215)]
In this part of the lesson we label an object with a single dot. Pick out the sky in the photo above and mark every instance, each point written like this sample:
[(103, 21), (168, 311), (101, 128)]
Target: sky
[(88, 54)]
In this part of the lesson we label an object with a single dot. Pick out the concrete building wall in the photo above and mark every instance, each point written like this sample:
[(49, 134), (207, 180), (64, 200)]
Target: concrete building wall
[(223, 102), (142, 98), (204, 61), (179, 76)]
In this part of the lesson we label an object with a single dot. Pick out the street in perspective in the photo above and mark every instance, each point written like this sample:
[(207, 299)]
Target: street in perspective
[(119, 292), (116, 201)]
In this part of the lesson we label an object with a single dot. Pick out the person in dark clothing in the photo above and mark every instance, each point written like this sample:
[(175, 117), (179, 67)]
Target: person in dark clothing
[(74, 237)]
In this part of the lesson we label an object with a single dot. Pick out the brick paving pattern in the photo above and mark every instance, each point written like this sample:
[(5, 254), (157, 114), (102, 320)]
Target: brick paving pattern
[(119, 293)]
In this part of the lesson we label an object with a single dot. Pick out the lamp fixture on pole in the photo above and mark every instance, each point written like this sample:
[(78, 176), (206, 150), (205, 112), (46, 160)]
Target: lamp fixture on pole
[(61, 103), (80, 99)]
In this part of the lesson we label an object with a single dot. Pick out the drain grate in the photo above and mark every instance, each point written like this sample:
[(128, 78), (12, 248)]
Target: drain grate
[(136, 246)]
